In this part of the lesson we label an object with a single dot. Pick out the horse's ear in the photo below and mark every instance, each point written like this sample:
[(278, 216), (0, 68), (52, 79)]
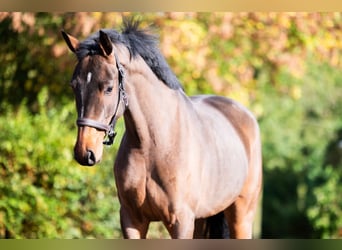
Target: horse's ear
[(71, 41), (105, 43)]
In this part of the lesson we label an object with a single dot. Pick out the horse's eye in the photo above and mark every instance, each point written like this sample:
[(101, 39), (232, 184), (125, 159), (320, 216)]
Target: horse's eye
[(109, 90)]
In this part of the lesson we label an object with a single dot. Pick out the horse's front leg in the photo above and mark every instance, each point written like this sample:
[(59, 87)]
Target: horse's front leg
[(182, 225), (131, 226)]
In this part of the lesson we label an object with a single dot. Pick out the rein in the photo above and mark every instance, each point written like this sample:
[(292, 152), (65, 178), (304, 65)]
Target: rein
[(109, 129)]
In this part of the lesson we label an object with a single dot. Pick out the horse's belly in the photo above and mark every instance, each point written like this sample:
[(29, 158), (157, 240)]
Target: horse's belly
[(223, 172), (216, 195)]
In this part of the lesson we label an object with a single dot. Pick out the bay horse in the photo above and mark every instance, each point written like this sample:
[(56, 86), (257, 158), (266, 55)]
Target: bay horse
[(182, 160)]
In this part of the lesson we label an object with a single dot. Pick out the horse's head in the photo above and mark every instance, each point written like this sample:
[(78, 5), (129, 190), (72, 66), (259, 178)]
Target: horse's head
[(97, 83)]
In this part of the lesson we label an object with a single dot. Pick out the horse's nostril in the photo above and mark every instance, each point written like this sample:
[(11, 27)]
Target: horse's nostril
[(91, 158)]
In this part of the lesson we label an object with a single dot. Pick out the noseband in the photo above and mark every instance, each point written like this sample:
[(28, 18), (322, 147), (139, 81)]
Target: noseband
[(109, 129)]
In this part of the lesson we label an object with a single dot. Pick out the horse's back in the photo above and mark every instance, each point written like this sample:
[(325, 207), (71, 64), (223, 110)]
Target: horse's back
[(240, 117), (242, 120)]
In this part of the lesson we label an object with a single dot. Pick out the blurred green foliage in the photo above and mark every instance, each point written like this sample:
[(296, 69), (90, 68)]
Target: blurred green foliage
[(43, 192), (285, 67)]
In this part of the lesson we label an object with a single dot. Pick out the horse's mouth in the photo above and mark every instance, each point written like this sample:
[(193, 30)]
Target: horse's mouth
[(88, 147), (86, 159)]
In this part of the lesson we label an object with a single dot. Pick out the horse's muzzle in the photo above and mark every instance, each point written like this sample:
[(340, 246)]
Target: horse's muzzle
[(86, 159), (91, 159), (88, 147)]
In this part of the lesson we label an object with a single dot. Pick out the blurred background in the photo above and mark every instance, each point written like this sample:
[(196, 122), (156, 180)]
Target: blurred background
[(285, 67)]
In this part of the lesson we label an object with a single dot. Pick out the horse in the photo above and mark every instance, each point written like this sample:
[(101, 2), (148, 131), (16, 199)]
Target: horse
[(191, 162)]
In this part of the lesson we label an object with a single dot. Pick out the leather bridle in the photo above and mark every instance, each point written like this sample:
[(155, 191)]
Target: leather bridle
[(109, 129)]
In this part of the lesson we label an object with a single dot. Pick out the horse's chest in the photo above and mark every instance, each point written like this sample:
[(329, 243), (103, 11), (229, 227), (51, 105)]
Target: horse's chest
[(140, 189), (145, 197)]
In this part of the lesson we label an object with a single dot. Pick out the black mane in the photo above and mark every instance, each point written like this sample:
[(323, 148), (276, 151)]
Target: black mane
[(138, 42)]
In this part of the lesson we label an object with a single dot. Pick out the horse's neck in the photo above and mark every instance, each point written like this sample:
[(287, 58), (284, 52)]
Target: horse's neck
[(153, 107)]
